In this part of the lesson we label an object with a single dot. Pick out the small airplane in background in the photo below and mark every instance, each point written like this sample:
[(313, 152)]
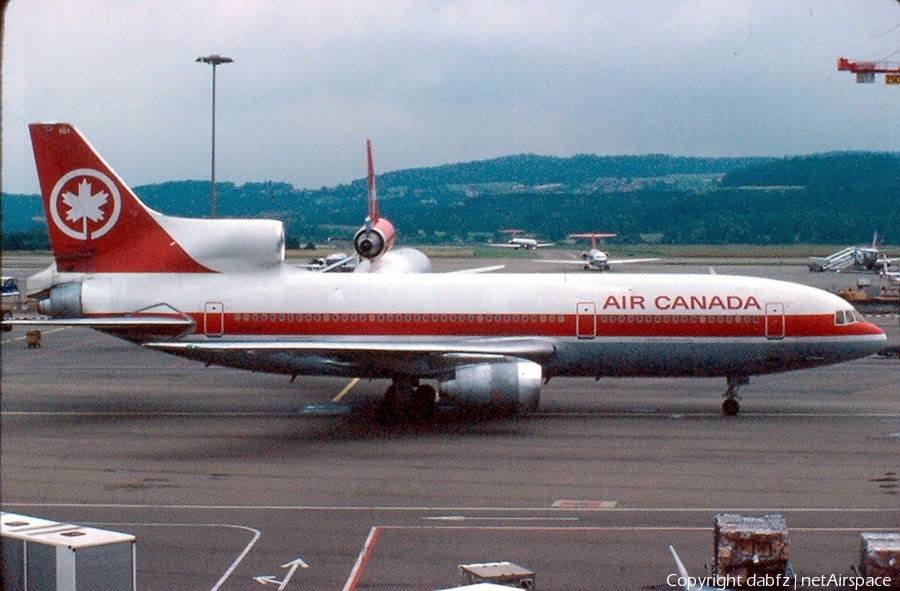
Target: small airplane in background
[(517, 242), (854, 258), (595, 258), (373, 242), (373, 245)]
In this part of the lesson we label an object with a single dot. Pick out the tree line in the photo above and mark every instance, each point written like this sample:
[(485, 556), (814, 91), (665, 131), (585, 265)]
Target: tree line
[(830, 198)]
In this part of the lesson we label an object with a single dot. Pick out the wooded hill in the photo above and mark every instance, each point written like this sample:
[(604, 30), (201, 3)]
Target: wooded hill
[(835, 198)]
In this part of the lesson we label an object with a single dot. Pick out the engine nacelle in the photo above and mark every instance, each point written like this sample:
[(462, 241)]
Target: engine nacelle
[(373, 241), (64, 301), (510, 384)]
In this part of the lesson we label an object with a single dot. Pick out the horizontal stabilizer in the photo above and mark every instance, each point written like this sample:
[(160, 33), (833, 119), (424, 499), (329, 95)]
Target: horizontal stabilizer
[(114, 322)]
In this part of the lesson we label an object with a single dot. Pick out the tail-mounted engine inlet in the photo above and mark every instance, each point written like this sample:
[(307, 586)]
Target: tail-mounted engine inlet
[(373, 240), (368, 244), (64, 301)]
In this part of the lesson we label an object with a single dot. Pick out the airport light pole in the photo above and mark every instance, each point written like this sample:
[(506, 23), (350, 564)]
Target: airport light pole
[(214, 60)]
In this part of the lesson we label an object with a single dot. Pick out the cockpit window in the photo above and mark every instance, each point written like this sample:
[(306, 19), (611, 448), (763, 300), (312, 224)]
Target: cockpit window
[(842, 317)]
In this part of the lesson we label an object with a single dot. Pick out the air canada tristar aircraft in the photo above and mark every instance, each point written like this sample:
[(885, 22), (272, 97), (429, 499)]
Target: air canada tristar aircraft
[(374, 240), (218, 291)]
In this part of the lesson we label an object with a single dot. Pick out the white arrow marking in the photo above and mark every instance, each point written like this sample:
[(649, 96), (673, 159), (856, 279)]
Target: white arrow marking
[(271, 580)]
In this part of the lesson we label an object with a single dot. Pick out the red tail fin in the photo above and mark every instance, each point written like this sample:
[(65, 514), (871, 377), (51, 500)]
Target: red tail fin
[(377, 235), (373, 196), (96, 223)]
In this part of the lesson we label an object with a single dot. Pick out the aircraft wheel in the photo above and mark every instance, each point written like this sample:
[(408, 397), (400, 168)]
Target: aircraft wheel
[(422, 403), (391, 398), (730, 407), (407, 403)]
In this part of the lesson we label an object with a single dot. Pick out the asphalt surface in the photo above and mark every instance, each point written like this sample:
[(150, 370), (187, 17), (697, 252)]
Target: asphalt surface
[(226, 475)]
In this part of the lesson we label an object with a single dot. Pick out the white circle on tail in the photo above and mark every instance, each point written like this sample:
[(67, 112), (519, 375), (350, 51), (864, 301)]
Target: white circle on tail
[(85, 203)]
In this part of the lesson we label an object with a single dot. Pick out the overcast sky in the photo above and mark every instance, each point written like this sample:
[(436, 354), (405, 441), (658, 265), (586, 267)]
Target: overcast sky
[(440, 82)]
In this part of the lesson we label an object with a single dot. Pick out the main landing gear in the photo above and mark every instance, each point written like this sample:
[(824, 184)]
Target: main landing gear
[(731, 406), (407, 400)]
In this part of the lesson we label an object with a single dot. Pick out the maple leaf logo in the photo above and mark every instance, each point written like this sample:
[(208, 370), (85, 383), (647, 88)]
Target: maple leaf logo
[(86, 204)]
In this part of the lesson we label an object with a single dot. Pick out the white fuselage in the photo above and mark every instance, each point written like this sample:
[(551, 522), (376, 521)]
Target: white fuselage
[(597, 325), (597, 258), (529, 243)]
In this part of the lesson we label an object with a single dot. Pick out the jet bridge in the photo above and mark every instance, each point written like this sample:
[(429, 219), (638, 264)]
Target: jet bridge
[(840, 260)]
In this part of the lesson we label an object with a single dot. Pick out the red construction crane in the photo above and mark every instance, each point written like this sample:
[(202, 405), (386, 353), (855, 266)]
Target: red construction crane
[(865, 71)]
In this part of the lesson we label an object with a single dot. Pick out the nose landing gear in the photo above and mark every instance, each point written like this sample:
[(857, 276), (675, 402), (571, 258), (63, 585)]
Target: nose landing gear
[(731, 406)]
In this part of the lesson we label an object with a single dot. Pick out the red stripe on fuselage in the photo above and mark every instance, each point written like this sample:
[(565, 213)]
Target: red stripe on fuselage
[(538, 325)]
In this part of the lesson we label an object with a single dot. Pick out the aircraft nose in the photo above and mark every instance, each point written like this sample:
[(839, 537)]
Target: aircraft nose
[(870, 328), (873, 337)]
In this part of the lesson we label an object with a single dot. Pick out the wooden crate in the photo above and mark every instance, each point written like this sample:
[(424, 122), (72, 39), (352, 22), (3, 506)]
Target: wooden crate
[(879, 556), (746, 546)]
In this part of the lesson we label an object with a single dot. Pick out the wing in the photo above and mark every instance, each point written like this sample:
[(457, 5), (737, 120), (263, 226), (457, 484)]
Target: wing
[(620, 261), (384, 357), (476, 270), (505, 245), (563, 262)]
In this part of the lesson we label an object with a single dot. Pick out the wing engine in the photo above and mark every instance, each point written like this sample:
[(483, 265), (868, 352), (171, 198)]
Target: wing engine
[(513, 384)]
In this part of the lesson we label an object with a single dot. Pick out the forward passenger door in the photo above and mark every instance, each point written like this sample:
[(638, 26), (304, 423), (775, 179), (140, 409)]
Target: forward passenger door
[(586, 320), (774, 321)]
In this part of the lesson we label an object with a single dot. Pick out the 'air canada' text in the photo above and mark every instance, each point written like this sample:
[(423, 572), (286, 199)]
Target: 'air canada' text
[(682, 302)]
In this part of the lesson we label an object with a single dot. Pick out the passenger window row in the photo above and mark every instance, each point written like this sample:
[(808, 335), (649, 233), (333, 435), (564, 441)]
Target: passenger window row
[(666, 319), (505, 318)]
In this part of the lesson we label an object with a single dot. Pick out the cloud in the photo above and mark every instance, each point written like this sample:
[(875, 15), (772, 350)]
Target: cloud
[(439, 82)]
